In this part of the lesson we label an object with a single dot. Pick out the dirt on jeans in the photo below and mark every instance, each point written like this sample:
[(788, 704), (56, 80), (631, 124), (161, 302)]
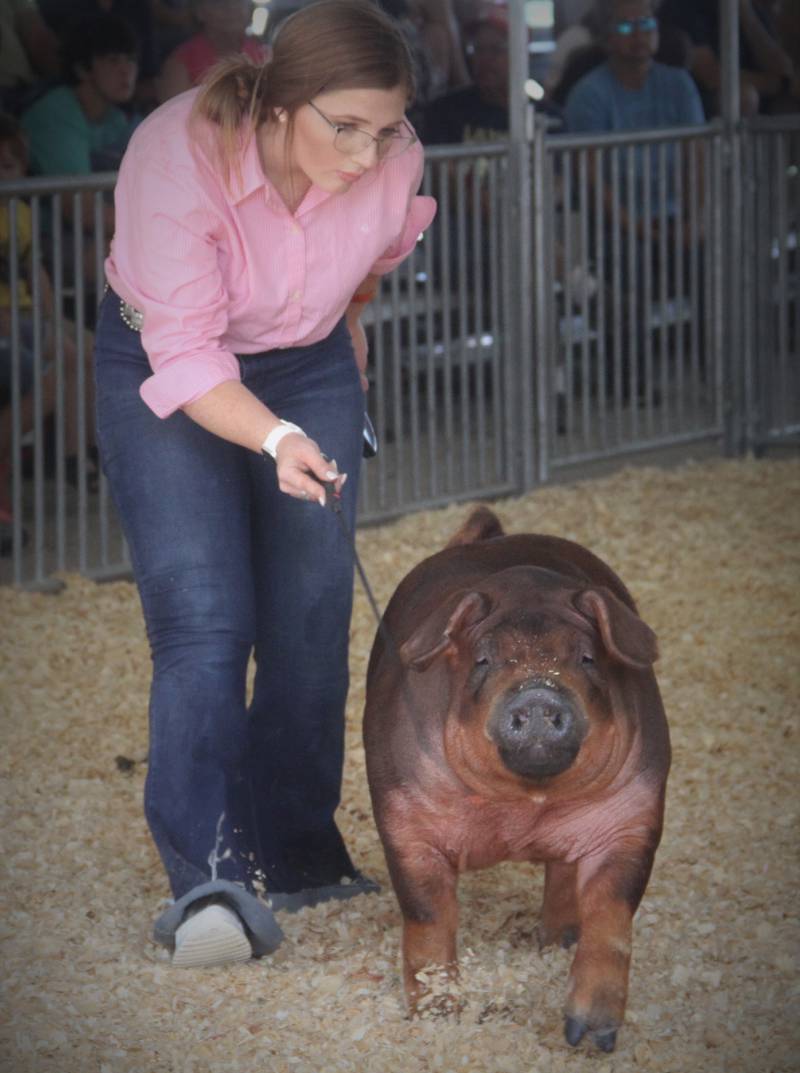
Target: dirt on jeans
[(710, 551)]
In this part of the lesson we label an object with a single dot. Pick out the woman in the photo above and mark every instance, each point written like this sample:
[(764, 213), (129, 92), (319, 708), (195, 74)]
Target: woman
[(254, 216)]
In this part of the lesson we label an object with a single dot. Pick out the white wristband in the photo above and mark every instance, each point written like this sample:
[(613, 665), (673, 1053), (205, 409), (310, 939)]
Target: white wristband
[(270, 444)]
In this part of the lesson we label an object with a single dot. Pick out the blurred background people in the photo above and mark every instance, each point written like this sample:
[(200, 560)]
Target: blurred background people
[(478, 111), (221, 31), (28, 53), (33, 276), (766, 70)]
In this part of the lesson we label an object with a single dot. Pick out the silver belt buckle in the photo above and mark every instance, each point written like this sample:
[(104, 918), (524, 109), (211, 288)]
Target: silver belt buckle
[(131, 316)]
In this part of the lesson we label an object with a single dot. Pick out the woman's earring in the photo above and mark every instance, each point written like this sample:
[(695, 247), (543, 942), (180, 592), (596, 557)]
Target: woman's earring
[(279, 112)]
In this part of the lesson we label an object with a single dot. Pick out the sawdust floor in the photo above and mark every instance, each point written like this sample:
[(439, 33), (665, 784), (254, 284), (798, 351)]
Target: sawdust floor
[(712, 553)]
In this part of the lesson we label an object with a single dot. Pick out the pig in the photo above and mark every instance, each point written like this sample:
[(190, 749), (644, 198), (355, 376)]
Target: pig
[(512, 714)]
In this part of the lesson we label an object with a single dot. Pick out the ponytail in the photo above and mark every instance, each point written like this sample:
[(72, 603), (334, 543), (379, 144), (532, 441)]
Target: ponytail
[(230, 99)]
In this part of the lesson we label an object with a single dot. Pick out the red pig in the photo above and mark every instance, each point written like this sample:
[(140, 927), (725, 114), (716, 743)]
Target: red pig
[(512, 713)]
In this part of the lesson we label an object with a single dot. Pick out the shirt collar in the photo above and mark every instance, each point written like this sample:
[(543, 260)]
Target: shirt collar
[(252, 176)]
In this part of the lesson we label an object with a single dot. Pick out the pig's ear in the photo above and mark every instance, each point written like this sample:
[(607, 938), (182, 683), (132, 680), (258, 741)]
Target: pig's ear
[(424, 646), (626, 637)]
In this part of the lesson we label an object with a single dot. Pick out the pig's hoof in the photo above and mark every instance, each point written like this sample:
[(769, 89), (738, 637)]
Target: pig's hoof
[(575, 1028)]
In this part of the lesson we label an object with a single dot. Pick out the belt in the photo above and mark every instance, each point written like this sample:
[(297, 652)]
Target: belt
[(131, 316)]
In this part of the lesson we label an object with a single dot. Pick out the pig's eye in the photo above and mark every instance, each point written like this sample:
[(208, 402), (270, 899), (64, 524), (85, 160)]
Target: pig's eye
[(477, 676), (587, 659)]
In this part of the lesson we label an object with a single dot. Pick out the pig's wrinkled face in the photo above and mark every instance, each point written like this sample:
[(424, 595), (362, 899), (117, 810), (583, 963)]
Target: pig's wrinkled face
[(534, 686), (532, 669)]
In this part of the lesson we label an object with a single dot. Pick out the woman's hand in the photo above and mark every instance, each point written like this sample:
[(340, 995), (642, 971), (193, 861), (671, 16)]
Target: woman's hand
[(303, 470), (360, 347)]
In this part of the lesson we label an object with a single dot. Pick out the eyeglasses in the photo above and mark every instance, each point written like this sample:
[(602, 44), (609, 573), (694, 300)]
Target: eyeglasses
[(646, 23), (353, 140)]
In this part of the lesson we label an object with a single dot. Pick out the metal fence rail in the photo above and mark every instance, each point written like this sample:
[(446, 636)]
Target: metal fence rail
[(576, 300)]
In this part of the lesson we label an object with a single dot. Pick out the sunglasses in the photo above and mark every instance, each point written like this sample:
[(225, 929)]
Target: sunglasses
[(646, 24)]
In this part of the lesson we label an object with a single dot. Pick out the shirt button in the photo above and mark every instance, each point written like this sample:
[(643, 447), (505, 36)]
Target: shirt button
[(296, 295)]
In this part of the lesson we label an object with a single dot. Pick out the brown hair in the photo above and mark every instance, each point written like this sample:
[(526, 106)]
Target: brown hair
[(11, 131), (329, 45)]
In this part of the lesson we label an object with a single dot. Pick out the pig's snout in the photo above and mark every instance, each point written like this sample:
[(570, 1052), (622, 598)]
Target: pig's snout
[(537, 730)]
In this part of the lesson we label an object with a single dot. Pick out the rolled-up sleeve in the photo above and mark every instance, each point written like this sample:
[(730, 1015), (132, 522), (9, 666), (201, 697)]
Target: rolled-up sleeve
[(167, 226), (421, 211)]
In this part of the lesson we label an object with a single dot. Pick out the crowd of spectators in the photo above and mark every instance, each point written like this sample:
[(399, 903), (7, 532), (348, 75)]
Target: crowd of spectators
[(81, 73), (76, 76)]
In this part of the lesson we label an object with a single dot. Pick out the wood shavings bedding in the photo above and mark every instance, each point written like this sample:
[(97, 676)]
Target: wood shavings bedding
[(711, 552)]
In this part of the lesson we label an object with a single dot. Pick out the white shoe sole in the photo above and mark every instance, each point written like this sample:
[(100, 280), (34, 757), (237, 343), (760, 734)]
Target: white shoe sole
[(212, 936)]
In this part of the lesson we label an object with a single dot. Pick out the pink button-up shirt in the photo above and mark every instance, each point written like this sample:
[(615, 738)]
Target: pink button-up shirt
[(224, 269)]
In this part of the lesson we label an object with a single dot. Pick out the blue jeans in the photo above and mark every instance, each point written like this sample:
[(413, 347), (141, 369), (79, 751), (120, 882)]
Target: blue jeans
[(226, 565)]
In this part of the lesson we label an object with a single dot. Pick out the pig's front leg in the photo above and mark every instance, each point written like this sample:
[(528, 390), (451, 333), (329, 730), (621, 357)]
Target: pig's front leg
[(559, 916), (426, 884), (609, 889)]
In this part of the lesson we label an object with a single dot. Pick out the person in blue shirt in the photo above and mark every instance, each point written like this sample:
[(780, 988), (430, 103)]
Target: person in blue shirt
[(631, 91)]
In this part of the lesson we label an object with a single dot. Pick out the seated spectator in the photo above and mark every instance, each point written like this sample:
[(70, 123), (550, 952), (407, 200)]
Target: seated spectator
[(223, 25), (441, 38), (79, 127), (674, 48), (13, 166), (765, 68), (28, 53), (478, 112), (631, 91), (62, 15)]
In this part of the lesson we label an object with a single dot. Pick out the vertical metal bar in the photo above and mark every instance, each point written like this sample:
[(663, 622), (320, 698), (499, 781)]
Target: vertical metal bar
[(447, 335), (697, 248), (603, 379), (413, 373), (38, 400), (431, 424), (616, 291), (633, 290), (568, 318), (583, 248), (648, 215), (544, 293), (716, 310), (99, 258), (782, 311), (749, 291), (679, 231), (480, 186), (463, 324), (381, 408), (397, 390), (57, 282), (496, 326), (79, 402), (663, 290), (16, 393)]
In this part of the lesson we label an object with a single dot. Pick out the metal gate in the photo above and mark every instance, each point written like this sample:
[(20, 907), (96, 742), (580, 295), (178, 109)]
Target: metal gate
[(535, 328)]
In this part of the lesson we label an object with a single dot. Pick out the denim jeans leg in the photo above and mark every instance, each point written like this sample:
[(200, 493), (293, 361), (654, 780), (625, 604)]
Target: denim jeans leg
[(303, 565), (183, 498)]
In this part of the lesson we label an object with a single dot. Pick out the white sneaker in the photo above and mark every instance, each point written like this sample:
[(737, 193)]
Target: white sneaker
[(212, 936)]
